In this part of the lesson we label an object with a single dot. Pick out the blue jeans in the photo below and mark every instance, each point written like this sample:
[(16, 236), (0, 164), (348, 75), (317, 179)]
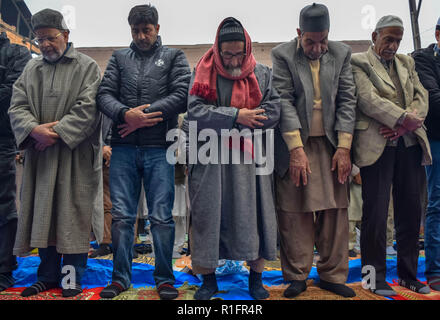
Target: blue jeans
[(129, 166), (432, 222), (49, 269)]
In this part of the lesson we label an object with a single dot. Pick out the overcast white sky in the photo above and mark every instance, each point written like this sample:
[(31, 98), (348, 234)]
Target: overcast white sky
[(97, 23)]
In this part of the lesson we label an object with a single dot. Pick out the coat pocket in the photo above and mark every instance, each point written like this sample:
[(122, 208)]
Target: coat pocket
[(361, 125)]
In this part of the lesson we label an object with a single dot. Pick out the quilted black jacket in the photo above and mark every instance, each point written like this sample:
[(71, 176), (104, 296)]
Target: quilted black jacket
[(159, 77)]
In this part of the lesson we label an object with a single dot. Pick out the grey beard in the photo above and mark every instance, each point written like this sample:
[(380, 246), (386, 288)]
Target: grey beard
[(54, 56), (234, 72)]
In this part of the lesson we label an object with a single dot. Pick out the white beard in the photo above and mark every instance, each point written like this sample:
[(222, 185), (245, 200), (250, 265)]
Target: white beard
[(234, 72)]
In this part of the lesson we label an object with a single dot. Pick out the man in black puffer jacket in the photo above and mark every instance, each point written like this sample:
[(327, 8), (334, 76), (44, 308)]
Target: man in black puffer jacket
[(143, 90), (428, 67), (13, 59)]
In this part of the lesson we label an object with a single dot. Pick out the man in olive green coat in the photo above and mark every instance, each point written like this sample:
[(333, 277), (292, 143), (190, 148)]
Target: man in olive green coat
[(55, 120)]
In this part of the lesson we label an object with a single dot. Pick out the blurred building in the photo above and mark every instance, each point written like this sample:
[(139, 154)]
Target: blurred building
[(15, 20), (194, 52)]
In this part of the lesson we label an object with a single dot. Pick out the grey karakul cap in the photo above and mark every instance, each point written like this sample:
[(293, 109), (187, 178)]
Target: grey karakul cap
[(48, 18), (389, 21), (314, 18)]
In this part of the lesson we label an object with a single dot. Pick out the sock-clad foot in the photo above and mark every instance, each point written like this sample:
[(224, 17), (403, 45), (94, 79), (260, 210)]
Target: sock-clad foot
[(71, 292), (256, 288), (167, 291), (415, 286), (391, 251), (434, 283), (112, 291), (208, 289), (383, 289), (103, 250), (295, 288), (6, 281), (337, 288), (37, 287)]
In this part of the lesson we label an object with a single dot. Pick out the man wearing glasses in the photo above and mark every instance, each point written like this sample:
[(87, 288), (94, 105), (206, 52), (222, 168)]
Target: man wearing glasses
[(55, 120), (232, 208)]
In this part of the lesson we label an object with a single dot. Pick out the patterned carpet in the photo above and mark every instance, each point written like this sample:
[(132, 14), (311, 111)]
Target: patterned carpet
[(53, 294), (187, 290), (315, 293)]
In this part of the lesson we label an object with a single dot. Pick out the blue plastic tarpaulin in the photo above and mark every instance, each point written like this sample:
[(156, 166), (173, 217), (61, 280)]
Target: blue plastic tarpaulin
[(235, 285)]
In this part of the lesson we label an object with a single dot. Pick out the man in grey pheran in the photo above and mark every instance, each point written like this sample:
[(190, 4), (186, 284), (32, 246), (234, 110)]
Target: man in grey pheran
[(55, 120)]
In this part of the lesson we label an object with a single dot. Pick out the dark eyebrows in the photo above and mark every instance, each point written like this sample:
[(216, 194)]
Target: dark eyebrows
[(310, 41)]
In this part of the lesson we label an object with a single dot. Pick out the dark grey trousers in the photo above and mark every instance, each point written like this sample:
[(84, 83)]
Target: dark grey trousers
[(8, 210), (400, 167)]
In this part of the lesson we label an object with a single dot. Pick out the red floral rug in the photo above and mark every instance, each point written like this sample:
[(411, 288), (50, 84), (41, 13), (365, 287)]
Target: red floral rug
[(406, 294), (53, 294)]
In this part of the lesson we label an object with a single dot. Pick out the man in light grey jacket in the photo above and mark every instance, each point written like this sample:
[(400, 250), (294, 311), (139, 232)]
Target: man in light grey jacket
[(390, 147)]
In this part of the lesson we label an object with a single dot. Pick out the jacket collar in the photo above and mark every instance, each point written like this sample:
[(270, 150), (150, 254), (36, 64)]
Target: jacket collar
[(71, 53), (378, 66), (380, 70), (429, 51), (436, 50)]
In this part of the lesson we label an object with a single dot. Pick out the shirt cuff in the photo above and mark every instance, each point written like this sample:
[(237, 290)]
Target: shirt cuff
[(293, 139), (344, 140), (402, 119)]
